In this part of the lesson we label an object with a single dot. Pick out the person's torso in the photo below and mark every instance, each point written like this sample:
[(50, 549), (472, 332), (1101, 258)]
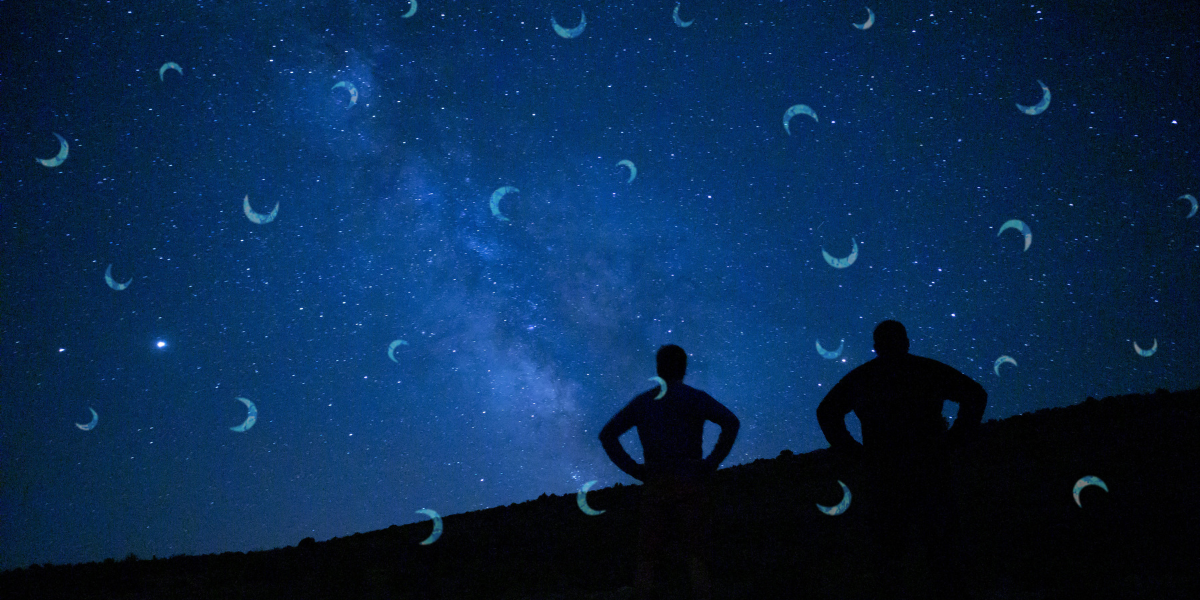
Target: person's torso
[(671, 429)]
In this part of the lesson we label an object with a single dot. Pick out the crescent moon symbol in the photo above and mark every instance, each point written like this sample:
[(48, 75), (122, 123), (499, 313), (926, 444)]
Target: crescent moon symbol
[(632, 169), (1040, 107), (251, 416), (581, 499), (662, 386), (350, 86), (869, 22), (437, 525), (258, 218), (92, 425), (797, 109), (169, 65), (58, 159), (678, 21), (830, 354), (1003, 359), (1146, 353), (112, 283), (412, 10), (840, 507), (1195, 204), (495, 201), (1019, 225), (1084, 482), (392, 349), (842, 263), (574, 31)]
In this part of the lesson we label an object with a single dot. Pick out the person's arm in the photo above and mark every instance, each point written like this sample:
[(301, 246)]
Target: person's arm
[(610, 438), (831, 416), (729, 424), (971, 399)]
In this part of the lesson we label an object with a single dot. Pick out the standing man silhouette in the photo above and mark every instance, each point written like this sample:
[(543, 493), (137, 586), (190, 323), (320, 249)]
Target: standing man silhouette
[(675, 497), (905, 451)]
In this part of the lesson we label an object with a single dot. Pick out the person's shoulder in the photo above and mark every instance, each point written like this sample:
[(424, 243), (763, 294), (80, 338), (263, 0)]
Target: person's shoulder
[(688, 391)]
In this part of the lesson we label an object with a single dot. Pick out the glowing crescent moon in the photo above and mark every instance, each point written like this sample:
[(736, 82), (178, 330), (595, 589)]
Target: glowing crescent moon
[(251, 416), (1146, 353), (92, 425), (258, 218), (842, 263), (632, 169), (392, 349), (572, 32), (1019, 225), (112, 283), (840, 507), (869, 22), (1040, 107), (662, 385), (412, 10), (350, 87), (1003, 359), (169, 65), (828, 353), (678, 21), (797, 109), (1195, 204), (581, 499), (495, 201), (1084, 482), (62, 154), (437, 525)]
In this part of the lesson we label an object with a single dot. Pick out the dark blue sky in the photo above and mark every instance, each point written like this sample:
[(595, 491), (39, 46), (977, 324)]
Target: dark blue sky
[(524, 337)]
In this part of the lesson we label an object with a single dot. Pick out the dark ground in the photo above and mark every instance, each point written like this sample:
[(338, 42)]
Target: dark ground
[(1014, 484)]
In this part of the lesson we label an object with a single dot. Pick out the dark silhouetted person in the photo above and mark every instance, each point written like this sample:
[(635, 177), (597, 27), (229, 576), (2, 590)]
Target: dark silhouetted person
[(905, 453), (675, 498)]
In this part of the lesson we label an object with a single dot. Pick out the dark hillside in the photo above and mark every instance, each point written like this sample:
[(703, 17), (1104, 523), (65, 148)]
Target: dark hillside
[(1014, 482)]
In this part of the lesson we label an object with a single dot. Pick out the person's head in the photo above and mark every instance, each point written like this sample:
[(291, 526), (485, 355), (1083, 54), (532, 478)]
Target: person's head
[(891, 339), (672, 362)]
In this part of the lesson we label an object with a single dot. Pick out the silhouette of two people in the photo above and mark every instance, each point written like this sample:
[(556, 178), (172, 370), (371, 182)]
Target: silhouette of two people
[(676, 501), (905, 456)]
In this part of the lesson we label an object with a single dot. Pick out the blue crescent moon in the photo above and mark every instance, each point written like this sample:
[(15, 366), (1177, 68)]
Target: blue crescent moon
[(495, 201), (632, 169), (574, 31), (258, 218), (1002, 360), (840, 507), (842, 263), (63, 149), (350, 88), (678, 21), (1019, 225), (581, 499), (392, 349), (797, 109), (1195, 204), (869, 22), (1146, 353), (1040, 107), (169, 65), (437, 525), (412, 10), (112, 283), (92, 425), (251, 416), (1084, 482), (662, 384), (830, 354)]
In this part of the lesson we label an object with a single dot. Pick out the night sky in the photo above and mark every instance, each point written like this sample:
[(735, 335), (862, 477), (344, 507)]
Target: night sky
[(525, 335)]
